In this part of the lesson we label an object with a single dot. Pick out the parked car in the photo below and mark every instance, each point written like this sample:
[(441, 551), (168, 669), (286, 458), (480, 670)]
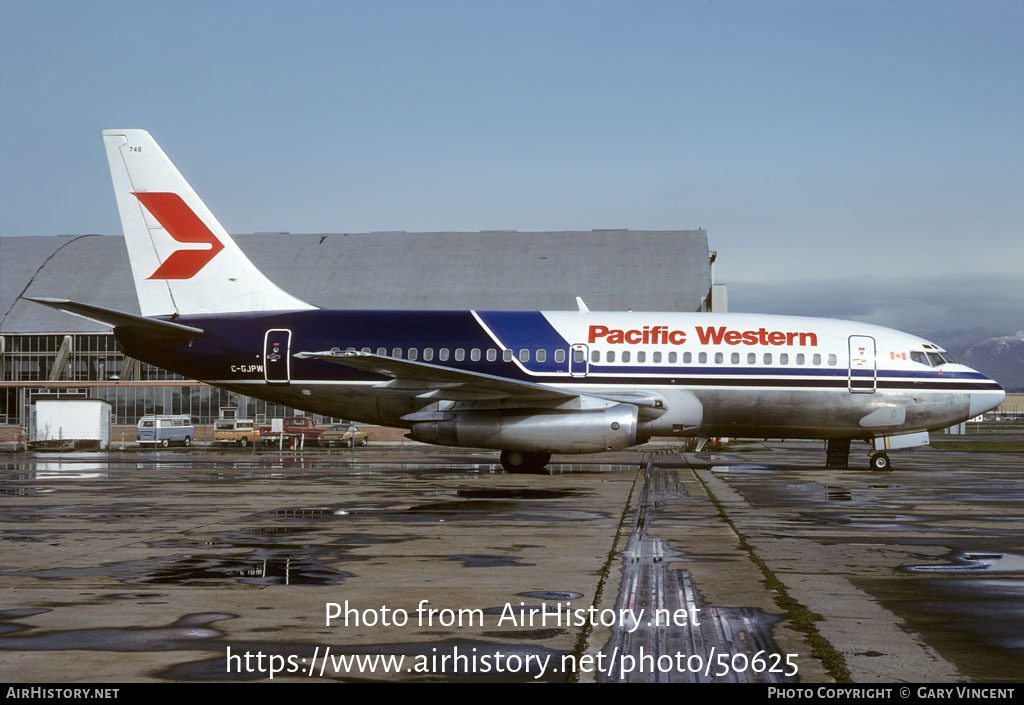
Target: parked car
[(344, 435), (164, 429), (240, 432), (294, 426)]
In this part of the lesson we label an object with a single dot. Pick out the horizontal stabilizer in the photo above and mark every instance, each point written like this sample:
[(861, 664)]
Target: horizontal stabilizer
[(119, 319)]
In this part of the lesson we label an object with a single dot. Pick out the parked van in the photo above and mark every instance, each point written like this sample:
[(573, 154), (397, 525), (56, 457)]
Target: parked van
[(164, 429)]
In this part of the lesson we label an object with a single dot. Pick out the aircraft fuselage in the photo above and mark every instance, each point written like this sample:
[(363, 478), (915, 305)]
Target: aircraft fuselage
[(753, 375)]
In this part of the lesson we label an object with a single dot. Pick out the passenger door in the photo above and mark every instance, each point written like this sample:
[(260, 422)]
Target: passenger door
[(579, 360), (277, 347), (863, 372)]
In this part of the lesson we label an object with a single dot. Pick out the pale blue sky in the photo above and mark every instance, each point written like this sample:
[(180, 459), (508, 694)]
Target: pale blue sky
[(813, 140)]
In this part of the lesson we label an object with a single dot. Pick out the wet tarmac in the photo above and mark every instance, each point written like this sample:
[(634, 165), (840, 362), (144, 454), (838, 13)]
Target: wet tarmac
[(633, 566)]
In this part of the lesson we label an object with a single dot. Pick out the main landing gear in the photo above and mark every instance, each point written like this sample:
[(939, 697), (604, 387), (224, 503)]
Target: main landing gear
[(517, 461)]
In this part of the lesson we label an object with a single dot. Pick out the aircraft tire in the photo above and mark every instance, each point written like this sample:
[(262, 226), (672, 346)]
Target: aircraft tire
[(880, 462)]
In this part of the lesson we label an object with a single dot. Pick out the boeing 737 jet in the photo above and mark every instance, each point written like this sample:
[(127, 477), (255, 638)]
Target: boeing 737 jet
[(527, 383)]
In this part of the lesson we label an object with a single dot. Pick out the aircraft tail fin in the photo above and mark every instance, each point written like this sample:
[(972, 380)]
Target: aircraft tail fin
[(183, 260)]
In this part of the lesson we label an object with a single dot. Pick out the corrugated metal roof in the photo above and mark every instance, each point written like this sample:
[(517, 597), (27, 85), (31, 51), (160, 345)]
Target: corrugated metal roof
[(654, 270)]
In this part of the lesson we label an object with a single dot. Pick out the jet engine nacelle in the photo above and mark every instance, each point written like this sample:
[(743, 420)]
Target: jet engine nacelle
[(539, 430)]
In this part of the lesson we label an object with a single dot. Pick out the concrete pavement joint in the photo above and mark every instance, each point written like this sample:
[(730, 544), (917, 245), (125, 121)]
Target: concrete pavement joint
[(613, 555), (799, 617)]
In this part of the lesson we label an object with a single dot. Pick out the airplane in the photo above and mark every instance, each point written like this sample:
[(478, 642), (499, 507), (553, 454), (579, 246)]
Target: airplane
[(527, 383)]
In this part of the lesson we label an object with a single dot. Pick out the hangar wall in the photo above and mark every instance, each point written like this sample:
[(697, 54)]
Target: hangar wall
[(47, 354)]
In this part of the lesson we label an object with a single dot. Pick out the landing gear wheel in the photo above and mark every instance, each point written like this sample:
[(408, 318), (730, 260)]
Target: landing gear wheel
[(517, 461), (880, 462)]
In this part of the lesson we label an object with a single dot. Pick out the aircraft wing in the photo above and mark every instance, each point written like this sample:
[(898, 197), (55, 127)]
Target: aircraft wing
[(427, 381)]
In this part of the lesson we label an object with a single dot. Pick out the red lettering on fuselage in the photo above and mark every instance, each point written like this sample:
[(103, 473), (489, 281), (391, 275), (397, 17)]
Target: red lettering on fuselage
[(720, 335), (661, 335), (648, 335)]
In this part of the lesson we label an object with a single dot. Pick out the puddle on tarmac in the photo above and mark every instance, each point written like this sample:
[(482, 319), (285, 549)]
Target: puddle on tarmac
[(518, 494), (743, 468), (182, 635), (500, 504), (24, 491), (552, 595), (976, 561), (973, 618), (471, 560), (68, 475), (15, 614), (103, 513), (27, 535), (206, 570), (137, 595)]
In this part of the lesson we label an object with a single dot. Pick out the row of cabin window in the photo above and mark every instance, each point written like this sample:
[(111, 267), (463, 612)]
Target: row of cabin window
[(719, 358), (475, 354), (541, 355)]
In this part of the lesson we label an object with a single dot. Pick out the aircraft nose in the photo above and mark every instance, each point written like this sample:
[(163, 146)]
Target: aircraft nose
[(986, 399)]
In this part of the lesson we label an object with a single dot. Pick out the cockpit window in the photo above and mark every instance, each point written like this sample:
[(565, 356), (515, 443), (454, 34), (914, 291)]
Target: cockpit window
[(932, 359)]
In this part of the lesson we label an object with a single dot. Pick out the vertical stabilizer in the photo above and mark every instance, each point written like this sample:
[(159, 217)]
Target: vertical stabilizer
[(183, 261)]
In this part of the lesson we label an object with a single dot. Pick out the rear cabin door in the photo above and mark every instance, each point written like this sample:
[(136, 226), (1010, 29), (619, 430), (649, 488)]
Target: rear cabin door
[(863, 372), (277, 348)]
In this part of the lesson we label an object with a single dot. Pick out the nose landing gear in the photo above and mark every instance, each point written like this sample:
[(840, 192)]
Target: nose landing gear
[(880, 462)]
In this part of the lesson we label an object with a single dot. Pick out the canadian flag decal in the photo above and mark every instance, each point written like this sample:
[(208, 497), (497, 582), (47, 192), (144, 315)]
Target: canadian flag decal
[(182, 224)]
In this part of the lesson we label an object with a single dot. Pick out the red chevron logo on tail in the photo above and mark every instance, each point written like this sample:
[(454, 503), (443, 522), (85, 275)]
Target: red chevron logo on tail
[(182, 224)]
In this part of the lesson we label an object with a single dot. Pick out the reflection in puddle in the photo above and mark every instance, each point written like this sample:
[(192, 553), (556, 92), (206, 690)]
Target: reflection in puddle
[(975, 561), (204, 570), (181, 635), (487, 561), (69, 475), (517, 494), (552, 595), (743, 468)]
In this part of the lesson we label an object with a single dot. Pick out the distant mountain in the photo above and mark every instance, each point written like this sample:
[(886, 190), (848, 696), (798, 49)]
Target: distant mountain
[(1001, 357)]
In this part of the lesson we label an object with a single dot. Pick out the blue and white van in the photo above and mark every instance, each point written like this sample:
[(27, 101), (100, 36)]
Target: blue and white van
[(164, 429)]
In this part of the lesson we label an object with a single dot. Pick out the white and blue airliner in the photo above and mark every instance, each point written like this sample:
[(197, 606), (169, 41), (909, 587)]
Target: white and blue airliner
[(527, 383)]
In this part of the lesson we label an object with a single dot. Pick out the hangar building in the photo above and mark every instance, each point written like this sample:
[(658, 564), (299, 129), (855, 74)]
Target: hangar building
[(45, 354)]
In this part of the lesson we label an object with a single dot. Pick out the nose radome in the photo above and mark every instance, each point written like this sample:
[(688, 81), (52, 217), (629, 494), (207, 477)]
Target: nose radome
[(986, 400)]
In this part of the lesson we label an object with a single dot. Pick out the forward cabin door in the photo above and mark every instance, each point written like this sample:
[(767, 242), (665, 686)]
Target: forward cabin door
[(277, 352), (863, 370), (579, 360)]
